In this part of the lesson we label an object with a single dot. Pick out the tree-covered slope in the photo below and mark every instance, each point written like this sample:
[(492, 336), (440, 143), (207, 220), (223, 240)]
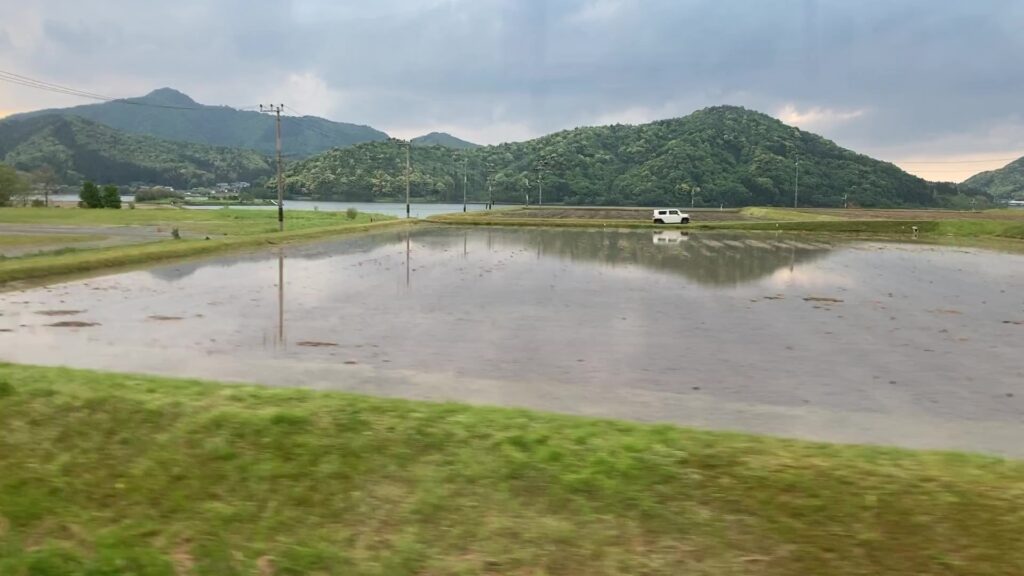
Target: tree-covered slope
[(724, 155), (1006, 183), (443, 139), (78, 149), (171, 115)]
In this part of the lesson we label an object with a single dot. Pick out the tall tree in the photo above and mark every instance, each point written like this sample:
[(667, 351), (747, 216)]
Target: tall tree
[(111, 197), (46, 178), (12, 185), (90, 195)]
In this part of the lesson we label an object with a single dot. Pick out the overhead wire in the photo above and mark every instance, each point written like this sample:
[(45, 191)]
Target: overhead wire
[(12, 78)]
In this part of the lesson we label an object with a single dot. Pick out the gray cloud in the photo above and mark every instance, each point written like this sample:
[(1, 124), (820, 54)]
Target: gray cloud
[(902, 78)]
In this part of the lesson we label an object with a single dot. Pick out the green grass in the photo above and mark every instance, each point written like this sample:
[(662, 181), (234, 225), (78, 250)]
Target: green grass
[(118, 474), (785, 220), (784, 214), (229, 230), (28, 240), (224, 221)]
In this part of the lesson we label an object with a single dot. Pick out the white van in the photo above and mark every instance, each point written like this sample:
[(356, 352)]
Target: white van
[(670, 216)]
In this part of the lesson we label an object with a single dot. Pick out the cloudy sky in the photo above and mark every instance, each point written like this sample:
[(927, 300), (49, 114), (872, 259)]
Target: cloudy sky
[(934, 85)]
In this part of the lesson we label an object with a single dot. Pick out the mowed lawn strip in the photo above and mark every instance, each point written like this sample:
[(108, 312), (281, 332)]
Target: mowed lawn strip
[(33, 240), (1003, 224), (220, 221), (116, 474), (228, 229)]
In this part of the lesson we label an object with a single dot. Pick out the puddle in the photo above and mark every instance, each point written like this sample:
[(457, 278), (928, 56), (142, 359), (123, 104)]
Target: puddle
[(72, 324), (703, 330)]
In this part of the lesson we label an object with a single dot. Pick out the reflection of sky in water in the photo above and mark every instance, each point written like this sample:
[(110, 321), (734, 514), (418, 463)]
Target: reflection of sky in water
[(572, 319)]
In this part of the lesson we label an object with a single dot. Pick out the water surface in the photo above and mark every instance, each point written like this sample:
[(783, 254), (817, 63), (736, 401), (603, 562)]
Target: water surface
[(902, 344)]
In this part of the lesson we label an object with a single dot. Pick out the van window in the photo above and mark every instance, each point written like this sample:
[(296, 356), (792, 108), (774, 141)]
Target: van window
[(662, 212), (673, 212)]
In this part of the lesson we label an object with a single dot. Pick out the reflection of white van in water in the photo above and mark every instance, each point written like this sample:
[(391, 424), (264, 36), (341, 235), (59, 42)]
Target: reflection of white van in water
[(670, 216), (669, 236)]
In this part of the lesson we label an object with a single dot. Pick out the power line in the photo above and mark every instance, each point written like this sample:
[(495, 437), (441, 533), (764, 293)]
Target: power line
[(983, 160), (27, 82)]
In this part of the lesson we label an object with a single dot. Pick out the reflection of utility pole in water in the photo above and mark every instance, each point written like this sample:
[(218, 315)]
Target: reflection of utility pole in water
[(465, 252), (280, 298), (408, 256)]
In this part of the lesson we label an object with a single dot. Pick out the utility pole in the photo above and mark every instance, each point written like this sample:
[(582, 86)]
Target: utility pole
[(796, 185), (845, 203), (408, 173), (465, 181), (276, 109)]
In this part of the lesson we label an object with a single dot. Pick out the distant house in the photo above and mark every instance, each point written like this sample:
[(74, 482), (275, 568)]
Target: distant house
[(224, 194), (1016, 203)]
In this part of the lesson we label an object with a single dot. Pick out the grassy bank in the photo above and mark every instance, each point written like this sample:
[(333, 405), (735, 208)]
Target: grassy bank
[(116, 474), (228, 229), (224, 221), (42, 240), (773, 219)]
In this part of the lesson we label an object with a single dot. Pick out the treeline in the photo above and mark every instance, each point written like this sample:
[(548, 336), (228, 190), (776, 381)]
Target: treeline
[(77, 149), (1006, 183), (718, 156)]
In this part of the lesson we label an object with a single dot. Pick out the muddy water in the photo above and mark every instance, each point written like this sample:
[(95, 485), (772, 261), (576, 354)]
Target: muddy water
[(900, 344)]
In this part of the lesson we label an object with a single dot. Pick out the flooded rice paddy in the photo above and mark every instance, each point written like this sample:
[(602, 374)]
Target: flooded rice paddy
[(903, 344)]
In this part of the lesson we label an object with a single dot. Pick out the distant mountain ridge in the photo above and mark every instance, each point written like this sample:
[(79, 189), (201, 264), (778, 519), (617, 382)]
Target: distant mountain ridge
[(78, 149), (1006, 183), (443, 139), (724, 155), (171, 115)]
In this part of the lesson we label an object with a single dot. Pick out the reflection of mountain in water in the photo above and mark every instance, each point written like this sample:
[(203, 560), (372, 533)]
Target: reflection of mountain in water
[(355, 244), (718, 259), (713, 259)]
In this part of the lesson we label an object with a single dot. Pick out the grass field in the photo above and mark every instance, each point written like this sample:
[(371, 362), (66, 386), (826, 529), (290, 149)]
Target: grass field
[(118, 474), (42, 240), (225, 221), (935, 224), (227, 229)]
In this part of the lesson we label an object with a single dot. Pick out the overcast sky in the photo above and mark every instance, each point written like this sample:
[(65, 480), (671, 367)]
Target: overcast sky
[(903, 80)]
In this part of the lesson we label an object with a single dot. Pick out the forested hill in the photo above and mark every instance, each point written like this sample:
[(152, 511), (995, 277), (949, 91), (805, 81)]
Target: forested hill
[(171, 115), (1006, 183), (78, 149), (725, 155), (443, 139)]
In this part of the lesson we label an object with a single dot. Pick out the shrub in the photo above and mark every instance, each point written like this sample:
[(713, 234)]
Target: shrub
[(111, 197), (153, 194), (90, 195), (352, 213), (37, 203)]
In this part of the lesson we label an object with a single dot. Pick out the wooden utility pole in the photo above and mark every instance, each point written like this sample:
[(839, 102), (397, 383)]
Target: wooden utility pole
[(276, 109), (465, 181), (796, 184), (408, 174)]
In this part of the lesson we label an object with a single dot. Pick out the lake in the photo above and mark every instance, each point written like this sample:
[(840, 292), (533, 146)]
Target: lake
[(802, 336)]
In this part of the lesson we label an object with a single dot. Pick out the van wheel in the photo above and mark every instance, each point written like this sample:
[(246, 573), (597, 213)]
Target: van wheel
[(686, 221), (659, 221)]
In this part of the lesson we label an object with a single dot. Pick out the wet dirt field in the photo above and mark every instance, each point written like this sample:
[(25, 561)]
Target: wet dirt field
[(904, 344)]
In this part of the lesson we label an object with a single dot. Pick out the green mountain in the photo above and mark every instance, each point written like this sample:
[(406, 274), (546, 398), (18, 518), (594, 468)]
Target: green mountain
[(171, 115), (443, 139), (1006, 183), (723, 155), (78, 149)]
